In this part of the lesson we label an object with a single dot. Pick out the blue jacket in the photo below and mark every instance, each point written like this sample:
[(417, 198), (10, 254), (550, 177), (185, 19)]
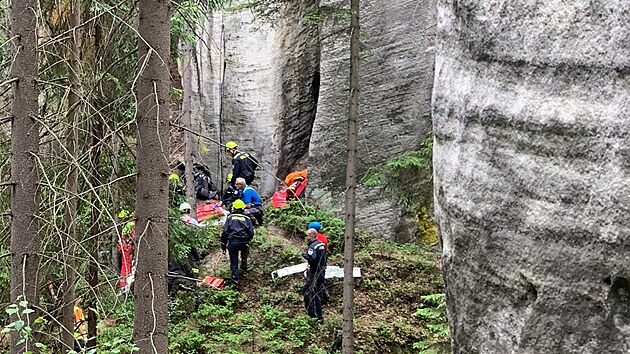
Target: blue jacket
[(250, 196)]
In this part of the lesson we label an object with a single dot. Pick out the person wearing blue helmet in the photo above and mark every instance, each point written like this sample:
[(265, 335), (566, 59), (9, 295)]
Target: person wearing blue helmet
[(320, 236), (324, 240), (316, 256), (315, 225)]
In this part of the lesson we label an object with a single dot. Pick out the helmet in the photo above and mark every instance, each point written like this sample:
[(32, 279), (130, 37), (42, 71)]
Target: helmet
[(123, 214), (229, 177), (238, 204), (184, 206), (231, 145), (315, 225)]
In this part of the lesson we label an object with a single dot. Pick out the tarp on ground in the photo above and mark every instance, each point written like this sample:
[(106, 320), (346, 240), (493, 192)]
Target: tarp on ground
[(209, 211)]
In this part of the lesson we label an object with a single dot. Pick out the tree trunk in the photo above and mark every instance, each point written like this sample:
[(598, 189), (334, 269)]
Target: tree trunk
[(186, 122), (70, 215), (96, 132), (96, 136), (24, 171), (115, 236), (152, 93), (351, 184)]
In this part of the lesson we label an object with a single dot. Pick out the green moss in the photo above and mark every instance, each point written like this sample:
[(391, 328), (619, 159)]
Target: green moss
[(427, 229)]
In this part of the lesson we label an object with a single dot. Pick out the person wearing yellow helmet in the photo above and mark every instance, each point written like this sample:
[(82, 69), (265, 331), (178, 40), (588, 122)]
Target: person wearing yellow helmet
[(243, 164), (231, 145), (238, 205), (238, 231), (176, 190)]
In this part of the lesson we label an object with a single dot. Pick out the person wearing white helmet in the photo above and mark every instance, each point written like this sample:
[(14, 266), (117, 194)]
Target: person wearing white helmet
[(185, 209)]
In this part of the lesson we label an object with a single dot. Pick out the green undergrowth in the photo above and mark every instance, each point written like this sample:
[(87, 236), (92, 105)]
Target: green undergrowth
[(399, 302)]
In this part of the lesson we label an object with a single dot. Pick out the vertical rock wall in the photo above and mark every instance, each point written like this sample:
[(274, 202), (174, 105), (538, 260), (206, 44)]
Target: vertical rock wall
[(256, 84), (299, 58), (396, 75), (532, 159), (285, 90)]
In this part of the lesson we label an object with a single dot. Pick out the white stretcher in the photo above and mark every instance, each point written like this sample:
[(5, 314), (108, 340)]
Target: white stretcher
[(331, 271)]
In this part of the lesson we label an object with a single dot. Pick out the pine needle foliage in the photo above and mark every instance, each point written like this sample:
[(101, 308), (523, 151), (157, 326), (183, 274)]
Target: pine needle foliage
[(408, 178)]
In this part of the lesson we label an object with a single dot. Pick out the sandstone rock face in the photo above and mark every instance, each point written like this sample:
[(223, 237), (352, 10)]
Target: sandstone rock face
[(281, 92), (396, 79), (532, 159), (257, 84)]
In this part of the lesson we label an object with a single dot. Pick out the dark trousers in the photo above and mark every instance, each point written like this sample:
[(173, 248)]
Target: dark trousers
[(236, 246), (313, 298), (249, 180), (255, 213)]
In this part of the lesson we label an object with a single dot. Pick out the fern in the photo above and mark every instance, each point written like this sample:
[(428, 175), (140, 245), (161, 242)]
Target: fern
[(433, 314), (435, 299), (428, 313)]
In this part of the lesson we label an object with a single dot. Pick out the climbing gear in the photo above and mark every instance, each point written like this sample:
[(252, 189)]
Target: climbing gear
[(185, 206), (231, 145), (238, 204), (315, 225), (293, 176)]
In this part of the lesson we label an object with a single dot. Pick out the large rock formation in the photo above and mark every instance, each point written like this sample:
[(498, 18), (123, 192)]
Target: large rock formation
[(257, 84), (396, 74), (532, 159), (260, 85)]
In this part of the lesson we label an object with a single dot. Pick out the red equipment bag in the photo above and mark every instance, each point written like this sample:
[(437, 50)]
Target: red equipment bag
[(213, 282), (279, 199)]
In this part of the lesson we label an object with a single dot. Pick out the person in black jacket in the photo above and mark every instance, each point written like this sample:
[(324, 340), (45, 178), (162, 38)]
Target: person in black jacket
[(316, 256), (243, 164), (237, 232), (230, 194)]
